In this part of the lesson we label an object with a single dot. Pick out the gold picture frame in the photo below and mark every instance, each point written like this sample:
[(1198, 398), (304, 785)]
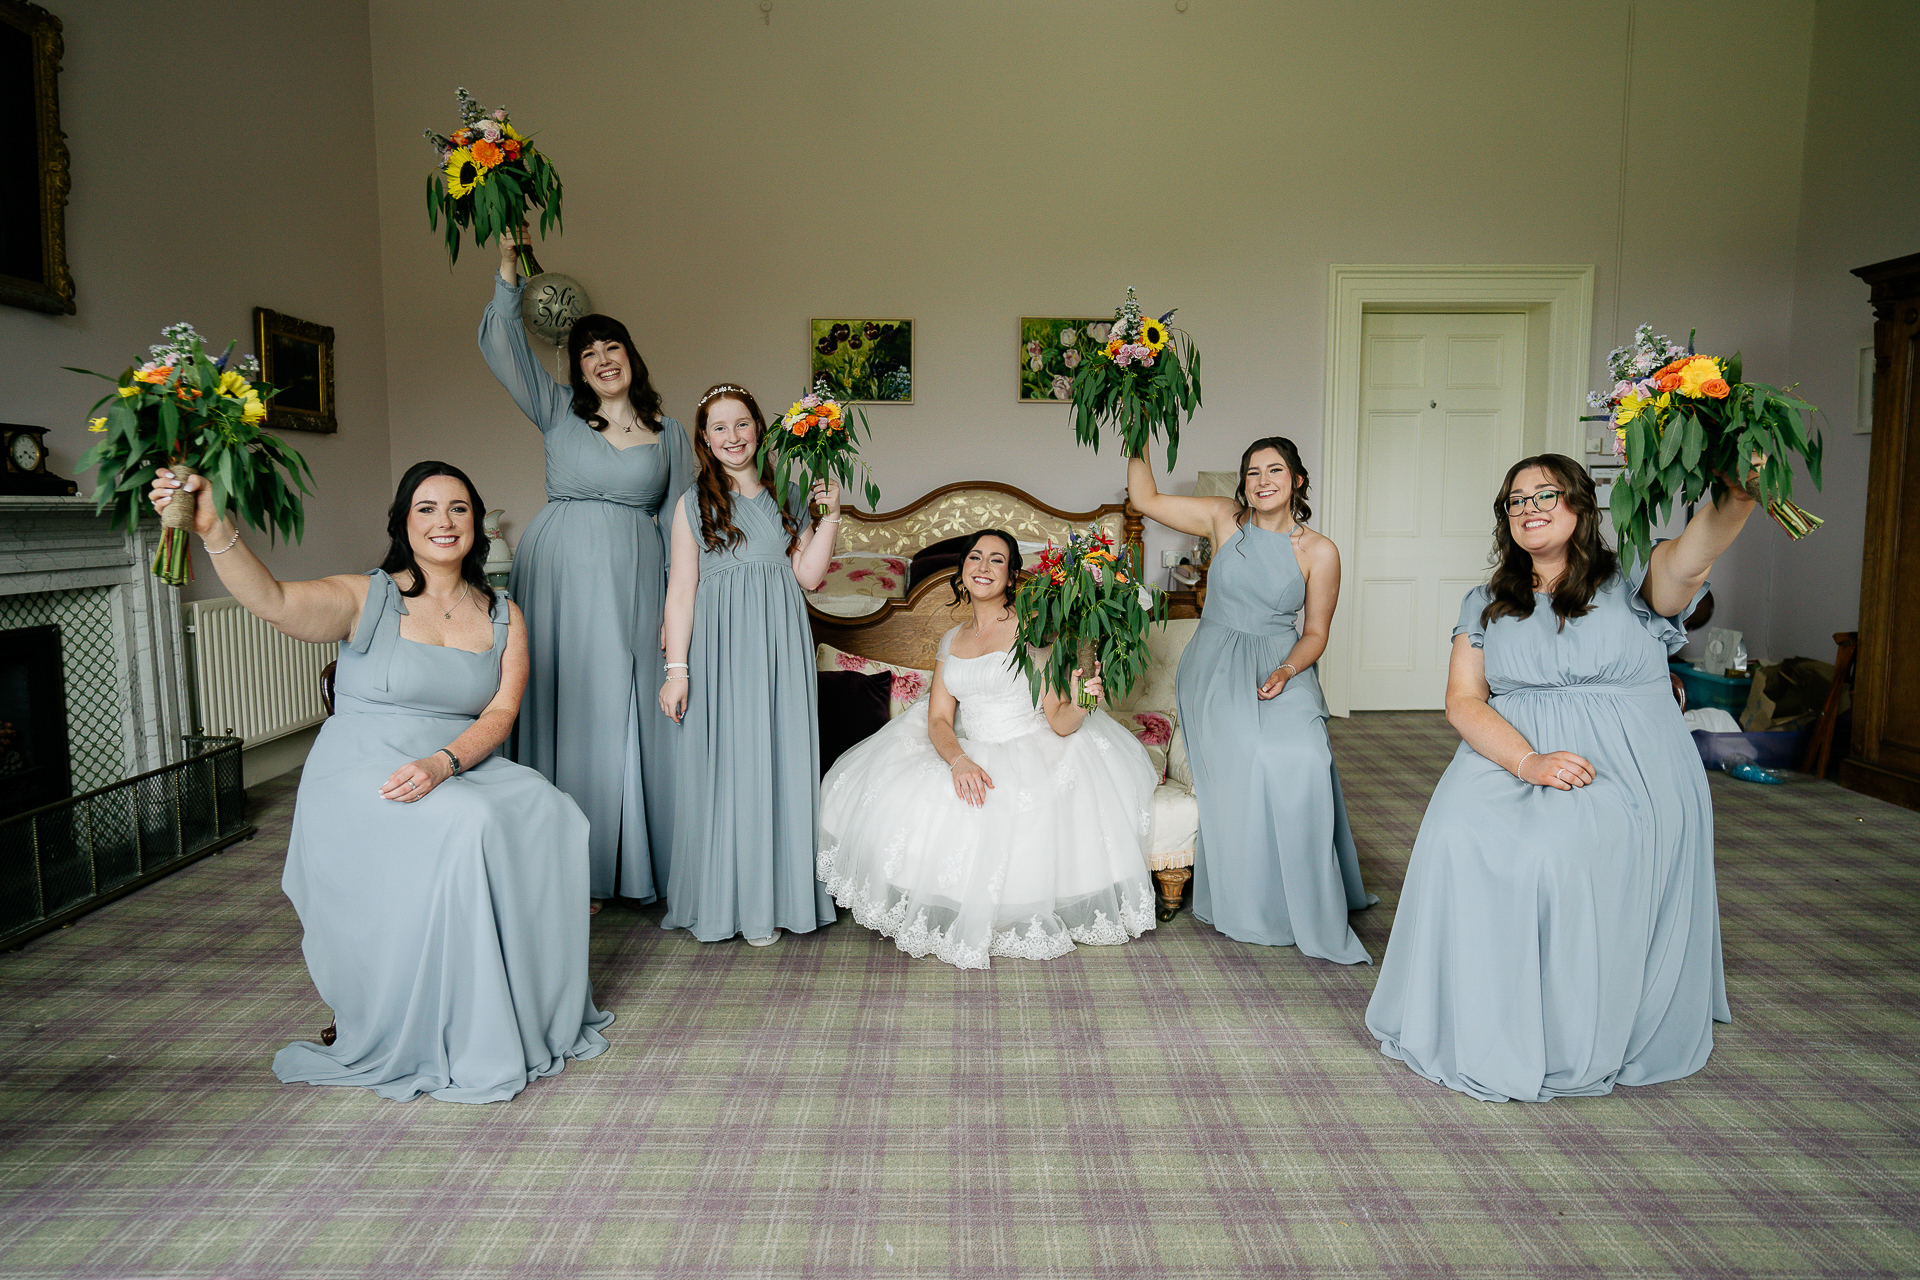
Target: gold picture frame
[(34, 180), (296, 360)]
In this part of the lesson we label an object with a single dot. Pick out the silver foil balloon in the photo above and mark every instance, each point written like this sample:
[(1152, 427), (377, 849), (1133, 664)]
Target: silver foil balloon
[(550, 305)]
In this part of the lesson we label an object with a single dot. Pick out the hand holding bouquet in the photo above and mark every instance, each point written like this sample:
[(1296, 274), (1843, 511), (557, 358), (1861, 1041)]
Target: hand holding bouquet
[(195, 416), (814, 434), (1086, 601), (1140, 381), (1685, 424), (488, 177)]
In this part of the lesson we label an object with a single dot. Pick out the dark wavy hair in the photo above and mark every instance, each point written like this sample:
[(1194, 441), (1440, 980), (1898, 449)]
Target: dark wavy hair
[(959, 580), (1590, 561), (587, 330), (1289, 455), (717, 529), (400, 549)]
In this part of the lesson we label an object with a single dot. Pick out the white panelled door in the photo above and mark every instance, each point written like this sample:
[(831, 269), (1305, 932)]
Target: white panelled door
[(1442, 398)]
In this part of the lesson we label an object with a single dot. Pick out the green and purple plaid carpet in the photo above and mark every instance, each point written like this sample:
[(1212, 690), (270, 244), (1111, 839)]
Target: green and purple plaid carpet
[(1183, 1105)]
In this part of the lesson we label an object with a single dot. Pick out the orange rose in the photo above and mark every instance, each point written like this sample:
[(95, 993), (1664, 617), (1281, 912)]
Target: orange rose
[(800, 428), (1717, 388), (487, 154), (512, 149)]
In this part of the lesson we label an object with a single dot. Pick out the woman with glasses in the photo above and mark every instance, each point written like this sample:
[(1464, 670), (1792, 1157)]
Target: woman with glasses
[(1558, 932), (1275, 862)]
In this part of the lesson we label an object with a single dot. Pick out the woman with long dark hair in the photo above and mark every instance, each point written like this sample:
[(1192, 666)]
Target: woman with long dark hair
[(1275, 862), (740, 684), (591, 573), (1558, 932), (437, 882), (1021, 838)]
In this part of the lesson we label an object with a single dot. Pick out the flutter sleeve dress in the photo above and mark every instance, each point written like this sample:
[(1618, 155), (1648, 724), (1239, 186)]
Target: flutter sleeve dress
[(749, 796), (590, 576), (1275, 863), (1056, 856), (1556, 943), (449, 934)]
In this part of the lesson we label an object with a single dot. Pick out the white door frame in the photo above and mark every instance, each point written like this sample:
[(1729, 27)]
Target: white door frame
[(1560, 295)]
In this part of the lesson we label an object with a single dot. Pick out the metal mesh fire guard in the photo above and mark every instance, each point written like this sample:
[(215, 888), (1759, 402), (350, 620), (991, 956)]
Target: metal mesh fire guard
[(62, 860)]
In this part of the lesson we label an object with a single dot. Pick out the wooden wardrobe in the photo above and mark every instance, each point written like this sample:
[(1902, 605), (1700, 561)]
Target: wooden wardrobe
[(1886, 694)]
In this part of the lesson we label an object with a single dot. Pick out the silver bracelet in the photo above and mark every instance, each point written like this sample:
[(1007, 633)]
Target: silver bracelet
[(1288, 666), (222, 551), (683, 666), (955, 762), (1523, 761)]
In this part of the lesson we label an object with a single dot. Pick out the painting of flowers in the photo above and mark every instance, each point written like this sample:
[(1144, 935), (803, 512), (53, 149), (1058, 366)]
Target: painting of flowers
[(868, 361), (1051, 348)]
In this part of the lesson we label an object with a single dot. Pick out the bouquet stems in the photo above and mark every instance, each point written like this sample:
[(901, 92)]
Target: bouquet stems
[(173, 562)]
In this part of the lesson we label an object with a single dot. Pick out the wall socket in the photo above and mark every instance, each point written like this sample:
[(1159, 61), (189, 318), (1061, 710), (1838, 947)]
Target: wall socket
[(1168, 559)]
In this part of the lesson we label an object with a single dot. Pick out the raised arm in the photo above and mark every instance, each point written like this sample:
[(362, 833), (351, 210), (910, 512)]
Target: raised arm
[(319, 611), (1200, 517), (508, 352), (1488, 733), (815, 552), (1679, 566), (683, 579)]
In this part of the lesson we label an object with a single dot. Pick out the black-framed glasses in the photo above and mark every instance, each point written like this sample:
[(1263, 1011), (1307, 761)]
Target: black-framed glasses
[(1543, 502)]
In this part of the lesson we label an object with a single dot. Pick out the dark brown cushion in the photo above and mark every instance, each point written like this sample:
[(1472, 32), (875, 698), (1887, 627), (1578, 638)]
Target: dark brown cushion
[(939, 558), (853, 707)]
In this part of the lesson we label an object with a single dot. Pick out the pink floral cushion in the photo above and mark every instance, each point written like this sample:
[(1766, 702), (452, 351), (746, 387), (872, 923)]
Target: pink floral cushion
[(860, 574), (1155, 731), (909, 685)]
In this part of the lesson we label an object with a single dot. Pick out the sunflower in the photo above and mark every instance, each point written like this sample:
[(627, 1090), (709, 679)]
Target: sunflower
[(1153, 335), (463, 173)]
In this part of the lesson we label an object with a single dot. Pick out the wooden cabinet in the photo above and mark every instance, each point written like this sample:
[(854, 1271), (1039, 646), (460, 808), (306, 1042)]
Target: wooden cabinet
[(1886, 697)]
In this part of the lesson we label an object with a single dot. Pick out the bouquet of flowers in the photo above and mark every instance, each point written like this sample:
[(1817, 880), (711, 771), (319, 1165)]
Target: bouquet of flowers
[(1087, 601), (488, 176), (1685, 424), (814, 434), (1141, 380), (194, 416)]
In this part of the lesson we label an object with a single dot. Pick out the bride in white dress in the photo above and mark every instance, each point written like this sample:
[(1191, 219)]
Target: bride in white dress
[(1018, 831)]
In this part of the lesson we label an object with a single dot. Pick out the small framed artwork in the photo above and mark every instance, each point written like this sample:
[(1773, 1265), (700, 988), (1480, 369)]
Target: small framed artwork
[(296, 358), (34, 178), (1051, 348), (863, 361)]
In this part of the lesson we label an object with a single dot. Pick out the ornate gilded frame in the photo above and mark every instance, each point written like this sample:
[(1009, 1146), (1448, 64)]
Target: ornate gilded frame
[(53, 291), (269, 325)]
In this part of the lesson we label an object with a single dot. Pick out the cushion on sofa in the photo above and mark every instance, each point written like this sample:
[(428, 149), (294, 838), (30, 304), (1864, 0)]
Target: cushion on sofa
[(853, 706), (909, 685), (1154, 729), (858, 574)]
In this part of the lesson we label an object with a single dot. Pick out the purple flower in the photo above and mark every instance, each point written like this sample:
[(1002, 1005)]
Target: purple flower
[(1072, 359), (1062, 386)]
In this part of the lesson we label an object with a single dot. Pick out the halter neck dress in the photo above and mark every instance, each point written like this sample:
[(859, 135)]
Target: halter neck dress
[(1275, 862), (1556, 943), (448, 934), (590, 576), (749, 797)]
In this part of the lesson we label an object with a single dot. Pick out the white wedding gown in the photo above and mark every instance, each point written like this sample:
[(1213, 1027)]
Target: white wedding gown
[(1057, 855)]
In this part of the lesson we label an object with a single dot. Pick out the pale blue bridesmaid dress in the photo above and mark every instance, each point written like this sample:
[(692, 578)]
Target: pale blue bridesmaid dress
[(1553, 943), (449, 934), (1275, 862)]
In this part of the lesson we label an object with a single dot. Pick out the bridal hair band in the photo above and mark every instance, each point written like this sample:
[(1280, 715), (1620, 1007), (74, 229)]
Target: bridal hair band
[(721, 390)]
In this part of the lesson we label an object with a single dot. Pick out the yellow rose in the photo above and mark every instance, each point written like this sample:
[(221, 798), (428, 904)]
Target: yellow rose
[(127, 393), (96, 424), (252, 410), (234, 386), (1696, 373)]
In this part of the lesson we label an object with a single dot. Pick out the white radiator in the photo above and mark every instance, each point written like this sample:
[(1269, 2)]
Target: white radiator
[(251, 680)]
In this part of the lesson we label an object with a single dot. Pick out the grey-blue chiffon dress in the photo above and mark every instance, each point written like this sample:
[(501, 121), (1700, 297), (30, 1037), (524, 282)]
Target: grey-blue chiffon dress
[(1556, 943), (449, 935), (748, 807), (589, 574), (1274, 863)]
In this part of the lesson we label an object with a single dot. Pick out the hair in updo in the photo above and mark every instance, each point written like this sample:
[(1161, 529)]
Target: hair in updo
[(1289, 455), (959, 579)]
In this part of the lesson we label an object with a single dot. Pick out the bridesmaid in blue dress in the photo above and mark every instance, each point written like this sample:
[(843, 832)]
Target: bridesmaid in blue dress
[(591, 573), (1275, 862), (740, 683), (439, 885), (1558, 932)]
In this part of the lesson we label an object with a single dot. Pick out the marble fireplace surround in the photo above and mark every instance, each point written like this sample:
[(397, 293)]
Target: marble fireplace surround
[(50, 546)]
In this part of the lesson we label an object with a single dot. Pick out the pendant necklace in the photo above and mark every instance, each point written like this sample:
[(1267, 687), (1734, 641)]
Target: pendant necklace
[(457, 603)]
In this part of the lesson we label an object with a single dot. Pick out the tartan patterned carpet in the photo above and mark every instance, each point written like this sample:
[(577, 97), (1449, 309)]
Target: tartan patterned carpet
[(1183, 1105)]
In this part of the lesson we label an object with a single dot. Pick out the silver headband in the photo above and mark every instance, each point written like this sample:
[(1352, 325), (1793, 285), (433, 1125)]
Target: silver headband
[(719, 391)]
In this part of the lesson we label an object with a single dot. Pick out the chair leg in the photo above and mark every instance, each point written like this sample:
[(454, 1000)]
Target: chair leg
[(1820, 742), (1173, 885)]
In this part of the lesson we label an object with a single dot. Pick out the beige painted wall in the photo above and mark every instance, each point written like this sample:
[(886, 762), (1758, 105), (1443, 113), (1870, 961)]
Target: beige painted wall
[(967, 164), (218, 165)]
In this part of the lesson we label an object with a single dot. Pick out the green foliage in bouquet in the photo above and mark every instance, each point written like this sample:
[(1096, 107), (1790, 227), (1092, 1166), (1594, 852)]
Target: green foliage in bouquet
[(1086, 603), (1141, 382), (488, 177), (183, 411), (1686, 426), (817, 435)]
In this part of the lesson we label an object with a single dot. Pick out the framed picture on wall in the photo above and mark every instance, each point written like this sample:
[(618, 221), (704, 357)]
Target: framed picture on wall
[(863, 361), (296, 358), (1051, 348), (34, 178)]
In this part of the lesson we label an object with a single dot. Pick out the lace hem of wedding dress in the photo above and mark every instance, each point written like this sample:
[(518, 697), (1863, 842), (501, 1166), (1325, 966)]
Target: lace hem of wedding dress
[(886, 913)]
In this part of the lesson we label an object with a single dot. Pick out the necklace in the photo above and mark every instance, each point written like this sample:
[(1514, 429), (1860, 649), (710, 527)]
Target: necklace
[(464, 590)]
